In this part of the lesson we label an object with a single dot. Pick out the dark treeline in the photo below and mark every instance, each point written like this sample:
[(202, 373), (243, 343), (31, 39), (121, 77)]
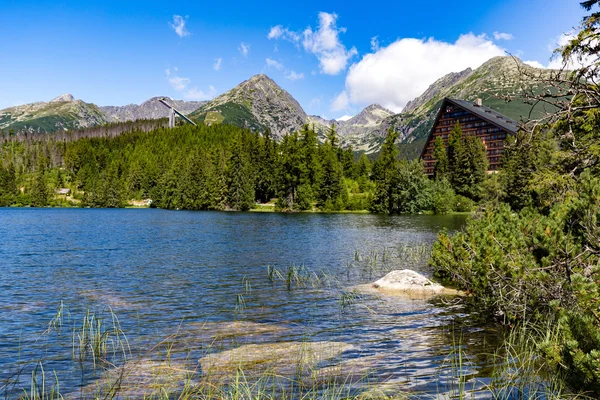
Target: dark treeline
[(200, 168), (108, 130), (228, 168)]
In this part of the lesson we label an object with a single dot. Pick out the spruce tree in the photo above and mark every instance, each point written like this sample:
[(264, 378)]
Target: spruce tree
[(40, 194), (310, 164), (332, 136), (348, 163), (332, 182), (518, 168), (385, 173), (265, 184), (363, 168), (290, 171), (455, 150), (440, 170), (240, 188), (467, 163)]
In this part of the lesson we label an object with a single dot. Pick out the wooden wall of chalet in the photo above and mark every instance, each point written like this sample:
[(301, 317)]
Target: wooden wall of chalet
[(493, 136)]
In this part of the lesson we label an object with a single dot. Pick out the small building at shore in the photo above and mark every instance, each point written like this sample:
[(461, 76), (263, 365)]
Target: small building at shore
[(475, 119)]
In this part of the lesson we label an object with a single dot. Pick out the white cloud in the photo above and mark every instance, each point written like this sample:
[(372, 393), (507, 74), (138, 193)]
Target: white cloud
[(178, 83), (197, 94), (374, 44), (218, 63), (503, 36), (557, 62), (340, 102), (344, 118), (178, 25), (325, 44), (279, 32), (535, 64), (398, 73), (274, 64), (293, 76), (181, 84), (244, 49)]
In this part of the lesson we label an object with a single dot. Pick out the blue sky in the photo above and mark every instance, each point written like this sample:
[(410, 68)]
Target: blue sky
[(334, 57)]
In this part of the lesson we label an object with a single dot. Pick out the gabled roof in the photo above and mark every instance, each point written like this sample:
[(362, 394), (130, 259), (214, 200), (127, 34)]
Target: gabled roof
[(486, 113), (483, 112)]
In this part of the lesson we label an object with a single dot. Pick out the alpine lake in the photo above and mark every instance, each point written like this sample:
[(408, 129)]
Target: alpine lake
[(150, 303)]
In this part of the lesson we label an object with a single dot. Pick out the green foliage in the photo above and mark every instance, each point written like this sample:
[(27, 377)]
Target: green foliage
[(332, 184), (8, 185), (467, 163), (384, 174), (441, 168), (410, 193), (443, 198), (239, 179), (40, 193), (266, 174), (537, 265)]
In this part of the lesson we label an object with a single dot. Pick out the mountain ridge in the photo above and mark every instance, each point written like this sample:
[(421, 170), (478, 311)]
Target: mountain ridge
[(259, 103)]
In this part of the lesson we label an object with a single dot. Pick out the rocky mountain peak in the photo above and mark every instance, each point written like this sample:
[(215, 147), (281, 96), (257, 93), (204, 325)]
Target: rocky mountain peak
[(256, 103), (371, 115), (63, 97)]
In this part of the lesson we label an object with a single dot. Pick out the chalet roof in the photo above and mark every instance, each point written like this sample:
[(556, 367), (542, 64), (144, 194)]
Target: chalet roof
[(486, 113)]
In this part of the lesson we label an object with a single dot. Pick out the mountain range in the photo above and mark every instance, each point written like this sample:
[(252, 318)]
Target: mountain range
[(259, 104)]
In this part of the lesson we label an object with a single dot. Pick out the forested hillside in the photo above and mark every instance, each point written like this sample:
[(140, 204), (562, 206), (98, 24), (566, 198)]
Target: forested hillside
[(220, 167)]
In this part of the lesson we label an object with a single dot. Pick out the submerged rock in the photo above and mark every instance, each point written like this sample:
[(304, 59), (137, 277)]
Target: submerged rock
[(142, 379), (288, 358), (226, 330), (407, 283)]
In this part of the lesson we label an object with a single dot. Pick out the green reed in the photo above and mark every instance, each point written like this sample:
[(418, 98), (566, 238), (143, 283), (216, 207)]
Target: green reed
[(39, 387), (96, 339)]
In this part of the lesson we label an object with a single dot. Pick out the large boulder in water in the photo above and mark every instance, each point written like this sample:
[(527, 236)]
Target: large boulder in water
[(407, 280), (407, 283)]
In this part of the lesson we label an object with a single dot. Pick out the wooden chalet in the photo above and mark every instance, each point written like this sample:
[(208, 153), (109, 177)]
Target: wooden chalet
[(474, 119)]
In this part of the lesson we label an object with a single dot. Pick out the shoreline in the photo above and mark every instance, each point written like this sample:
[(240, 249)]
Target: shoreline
[(253, 210)]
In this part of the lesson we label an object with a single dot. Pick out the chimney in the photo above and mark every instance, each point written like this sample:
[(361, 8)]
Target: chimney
[(478, 102)]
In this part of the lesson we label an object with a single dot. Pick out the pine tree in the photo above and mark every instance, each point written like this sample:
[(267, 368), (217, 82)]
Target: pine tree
[(455, 150), (265, 184), (39, 192), (332, 136), (290, 171), (348, 163), (440, 170), (467, 163), (332, 182), (519, 163), (385, 173), (8, 185), (310, 164), (363, 168), (240, 188)]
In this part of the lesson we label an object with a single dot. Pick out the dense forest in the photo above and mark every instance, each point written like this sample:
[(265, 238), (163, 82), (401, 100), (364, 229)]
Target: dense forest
[(227, 168)]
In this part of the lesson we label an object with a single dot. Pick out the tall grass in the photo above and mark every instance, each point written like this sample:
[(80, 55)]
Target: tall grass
[(518, 370), (96, 339), (40, 388), (517, 373)]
